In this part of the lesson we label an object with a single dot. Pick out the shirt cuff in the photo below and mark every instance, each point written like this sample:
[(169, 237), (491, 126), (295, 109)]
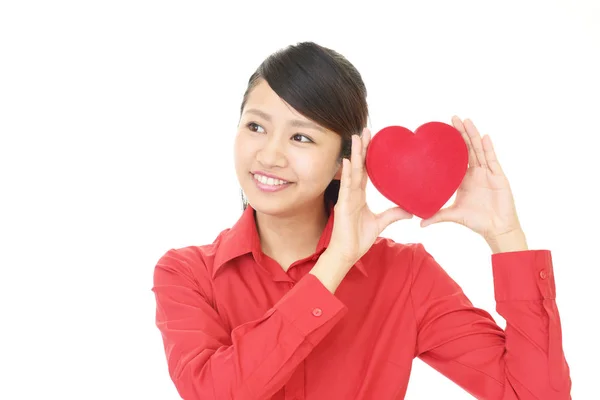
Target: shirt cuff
[(310, 305), (523, 275)]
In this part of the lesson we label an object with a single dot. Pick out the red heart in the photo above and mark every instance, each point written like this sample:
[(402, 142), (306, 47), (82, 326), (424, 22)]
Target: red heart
[(418, 171)]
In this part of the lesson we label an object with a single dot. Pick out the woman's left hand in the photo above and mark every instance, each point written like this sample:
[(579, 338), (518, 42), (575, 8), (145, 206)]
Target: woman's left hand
[(484, 202)]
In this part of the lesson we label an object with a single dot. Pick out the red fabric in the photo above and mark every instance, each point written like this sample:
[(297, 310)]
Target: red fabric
[(235, 325), (418, 172)]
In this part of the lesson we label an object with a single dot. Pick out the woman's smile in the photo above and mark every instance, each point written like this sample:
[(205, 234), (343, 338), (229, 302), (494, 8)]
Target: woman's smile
[(267, 184)]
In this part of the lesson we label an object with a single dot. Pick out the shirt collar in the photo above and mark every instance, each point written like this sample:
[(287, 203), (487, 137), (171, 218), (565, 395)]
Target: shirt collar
[(243, 238)]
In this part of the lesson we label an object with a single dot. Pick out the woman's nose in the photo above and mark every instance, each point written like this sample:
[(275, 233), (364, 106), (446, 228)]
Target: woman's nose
[(272, 153)]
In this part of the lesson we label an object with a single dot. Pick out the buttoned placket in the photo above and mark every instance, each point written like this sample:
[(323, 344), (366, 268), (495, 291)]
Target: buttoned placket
[(294, 388)]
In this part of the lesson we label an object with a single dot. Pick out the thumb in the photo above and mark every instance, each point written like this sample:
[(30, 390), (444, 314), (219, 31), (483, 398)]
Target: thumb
[(392, 215), (445, 215)]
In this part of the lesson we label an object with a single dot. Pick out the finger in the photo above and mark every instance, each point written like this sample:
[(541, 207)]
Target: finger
[(490, 155), (475, 142), (392, 215), (461, 128), (357, 165), (366, 139), (444, 215), (345, 179)]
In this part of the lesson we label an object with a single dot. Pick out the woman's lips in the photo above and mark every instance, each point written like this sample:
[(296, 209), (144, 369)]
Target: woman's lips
[(269, 188)]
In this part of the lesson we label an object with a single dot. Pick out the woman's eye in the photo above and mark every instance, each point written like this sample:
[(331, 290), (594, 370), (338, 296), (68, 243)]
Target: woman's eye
[(308, 140), (254, 127)]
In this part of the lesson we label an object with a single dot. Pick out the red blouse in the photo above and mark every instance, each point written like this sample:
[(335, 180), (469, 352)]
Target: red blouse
[(235, 325)]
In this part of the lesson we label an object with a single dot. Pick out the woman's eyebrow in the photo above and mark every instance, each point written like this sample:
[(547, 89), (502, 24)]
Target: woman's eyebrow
[(295, 122)]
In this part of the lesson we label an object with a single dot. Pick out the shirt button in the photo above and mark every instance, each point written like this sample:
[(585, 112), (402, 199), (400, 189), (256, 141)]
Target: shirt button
[(543, 274), (317, 312)]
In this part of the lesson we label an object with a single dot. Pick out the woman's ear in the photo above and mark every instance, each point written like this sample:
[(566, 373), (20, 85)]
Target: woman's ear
[(338, 174)]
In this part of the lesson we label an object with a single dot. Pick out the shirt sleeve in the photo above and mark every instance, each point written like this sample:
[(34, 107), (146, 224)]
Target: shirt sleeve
[(253, 361), (524, 361)]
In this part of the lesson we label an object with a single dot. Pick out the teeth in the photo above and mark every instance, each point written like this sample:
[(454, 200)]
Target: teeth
[(269, 181)]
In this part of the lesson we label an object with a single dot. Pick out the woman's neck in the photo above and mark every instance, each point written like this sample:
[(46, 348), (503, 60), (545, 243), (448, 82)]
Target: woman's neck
[(290, 238)]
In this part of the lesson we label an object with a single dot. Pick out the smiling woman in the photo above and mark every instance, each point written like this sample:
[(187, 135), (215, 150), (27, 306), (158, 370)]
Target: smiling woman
[(303, 299), (327, 102)]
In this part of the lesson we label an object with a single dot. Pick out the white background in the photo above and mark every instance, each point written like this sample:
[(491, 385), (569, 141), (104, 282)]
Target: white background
[(117, 121)]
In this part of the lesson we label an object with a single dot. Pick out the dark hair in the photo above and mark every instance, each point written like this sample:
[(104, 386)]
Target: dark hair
[(323, 86)]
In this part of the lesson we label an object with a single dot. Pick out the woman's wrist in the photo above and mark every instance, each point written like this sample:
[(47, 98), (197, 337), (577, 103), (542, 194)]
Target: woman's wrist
[(509, 241), (330, 270)]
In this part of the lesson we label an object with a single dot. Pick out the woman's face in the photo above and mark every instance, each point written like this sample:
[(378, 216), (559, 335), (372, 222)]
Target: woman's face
[(274, 139)]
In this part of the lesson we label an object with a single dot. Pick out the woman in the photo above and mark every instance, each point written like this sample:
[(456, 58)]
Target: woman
[(301, 298)]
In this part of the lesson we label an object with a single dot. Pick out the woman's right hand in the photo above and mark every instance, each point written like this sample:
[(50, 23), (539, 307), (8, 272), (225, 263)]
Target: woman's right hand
[(355, 227)]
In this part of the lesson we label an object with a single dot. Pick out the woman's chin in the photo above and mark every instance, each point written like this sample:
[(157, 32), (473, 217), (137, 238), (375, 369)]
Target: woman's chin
[(268, 205)]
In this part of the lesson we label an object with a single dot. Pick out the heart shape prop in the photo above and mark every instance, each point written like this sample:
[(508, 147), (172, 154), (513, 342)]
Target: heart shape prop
[(419, 171)]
